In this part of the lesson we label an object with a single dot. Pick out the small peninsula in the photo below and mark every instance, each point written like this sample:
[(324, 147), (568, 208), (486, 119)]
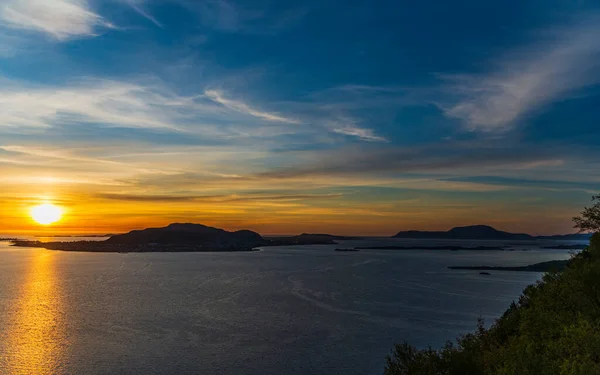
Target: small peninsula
[(448, 248), (553, 265), (566, 247)]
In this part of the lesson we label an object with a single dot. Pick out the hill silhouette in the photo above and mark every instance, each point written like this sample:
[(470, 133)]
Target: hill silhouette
[(472, 232), (181, 233)]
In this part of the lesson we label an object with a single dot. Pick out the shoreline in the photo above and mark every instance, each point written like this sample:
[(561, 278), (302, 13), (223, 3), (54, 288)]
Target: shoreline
[(549, 266)]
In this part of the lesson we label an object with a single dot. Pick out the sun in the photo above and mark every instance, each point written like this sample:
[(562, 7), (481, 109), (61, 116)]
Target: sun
[(46, 214)]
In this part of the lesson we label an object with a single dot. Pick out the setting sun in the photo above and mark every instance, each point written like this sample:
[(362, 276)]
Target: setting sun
[(46, 213)]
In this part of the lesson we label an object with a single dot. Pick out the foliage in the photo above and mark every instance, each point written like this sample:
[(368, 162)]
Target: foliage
[(590, 217), (554, 328)]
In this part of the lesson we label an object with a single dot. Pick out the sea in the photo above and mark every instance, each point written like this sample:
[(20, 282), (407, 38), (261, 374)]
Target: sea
[(281, 310)]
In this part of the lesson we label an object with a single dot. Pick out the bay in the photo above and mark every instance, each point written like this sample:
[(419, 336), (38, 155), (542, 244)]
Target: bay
[(281, 310)]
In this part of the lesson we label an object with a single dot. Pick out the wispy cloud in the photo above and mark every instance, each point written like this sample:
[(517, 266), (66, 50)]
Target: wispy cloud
[(361, 133), (222, 15), (47, 154), (61, 19), (215, 198), (138, 6), (258, 18), (142, 104), (218, 97), (542, 73), (148, 107), (453, 158), (93, 101), (591, 186)]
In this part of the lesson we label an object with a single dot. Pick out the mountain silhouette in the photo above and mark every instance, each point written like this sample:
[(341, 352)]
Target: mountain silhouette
[(472, 232), (181, 233)]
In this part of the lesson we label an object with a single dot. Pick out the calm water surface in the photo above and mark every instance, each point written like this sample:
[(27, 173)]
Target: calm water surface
[(292, 310)]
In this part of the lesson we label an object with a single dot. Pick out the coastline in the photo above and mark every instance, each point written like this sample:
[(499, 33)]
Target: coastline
[(549, 266)]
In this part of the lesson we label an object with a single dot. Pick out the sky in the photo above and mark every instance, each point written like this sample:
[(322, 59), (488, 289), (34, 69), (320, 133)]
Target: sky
[(347, 117)]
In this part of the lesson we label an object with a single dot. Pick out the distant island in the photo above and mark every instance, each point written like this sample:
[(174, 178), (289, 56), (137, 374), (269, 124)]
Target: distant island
[(186, 237), (553, 265), (449, 247), (485, 232), (566, 247), (307, 239)]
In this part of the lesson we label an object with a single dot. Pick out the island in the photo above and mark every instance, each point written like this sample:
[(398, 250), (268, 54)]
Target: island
[(307, 239), (473, 232), (550, 266), (182, 237), (448, 247), (486, 232)]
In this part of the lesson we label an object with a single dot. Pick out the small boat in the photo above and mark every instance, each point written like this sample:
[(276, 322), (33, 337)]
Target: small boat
[(347, 249)]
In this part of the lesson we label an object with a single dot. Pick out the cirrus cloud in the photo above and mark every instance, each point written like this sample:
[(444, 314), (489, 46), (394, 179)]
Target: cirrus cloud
[(60, 19), (539, 75)]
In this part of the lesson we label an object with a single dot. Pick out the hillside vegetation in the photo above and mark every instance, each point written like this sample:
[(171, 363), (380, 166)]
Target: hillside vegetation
[(554, 328)]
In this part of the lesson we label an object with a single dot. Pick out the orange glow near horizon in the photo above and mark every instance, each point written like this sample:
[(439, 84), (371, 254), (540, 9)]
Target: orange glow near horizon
[(82, 215), (86, 211)]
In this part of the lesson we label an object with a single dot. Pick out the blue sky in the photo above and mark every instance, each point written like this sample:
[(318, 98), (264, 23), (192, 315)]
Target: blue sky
[(342, 115)]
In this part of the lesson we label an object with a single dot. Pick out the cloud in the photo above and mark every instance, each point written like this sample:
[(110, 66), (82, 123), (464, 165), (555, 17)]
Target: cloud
[(223, 14), (95, 101), (527, 80), (71, 159), (148, 197), (590, 186), (147, 104), (256, 18), (361, 133), (137, 5), (61, 19), (218, 97), (452, 159), (143, 108), (219, 14), (214, 198)]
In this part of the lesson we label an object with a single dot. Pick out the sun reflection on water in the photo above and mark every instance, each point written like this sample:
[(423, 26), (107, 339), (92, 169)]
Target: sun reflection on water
[(36, 331)]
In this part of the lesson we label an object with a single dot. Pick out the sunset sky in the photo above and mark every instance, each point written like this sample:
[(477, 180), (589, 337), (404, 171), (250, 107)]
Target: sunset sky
[(347, 117)]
